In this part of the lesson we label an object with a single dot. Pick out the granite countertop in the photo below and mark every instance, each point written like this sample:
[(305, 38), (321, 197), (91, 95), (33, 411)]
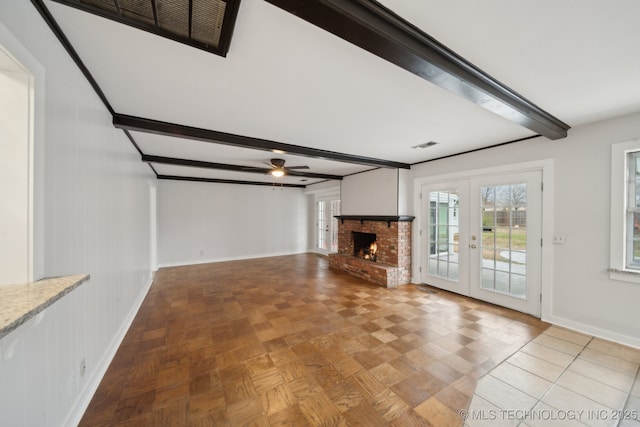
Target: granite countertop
[(19, 303)]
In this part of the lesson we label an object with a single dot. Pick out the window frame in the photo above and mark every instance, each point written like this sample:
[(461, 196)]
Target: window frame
[(618, 269)]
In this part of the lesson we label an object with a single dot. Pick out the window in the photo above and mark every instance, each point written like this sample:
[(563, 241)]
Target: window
[(632, 223), (625, 212)]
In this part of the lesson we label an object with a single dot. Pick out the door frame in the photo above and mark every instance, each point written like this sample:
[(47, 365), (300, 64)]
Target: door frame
[(546, 166), (326, 197)]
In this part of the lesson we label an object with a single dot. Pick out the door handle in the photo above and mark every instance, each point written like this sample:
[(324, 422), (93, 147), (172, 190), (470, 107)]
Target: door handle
[(473, 246)]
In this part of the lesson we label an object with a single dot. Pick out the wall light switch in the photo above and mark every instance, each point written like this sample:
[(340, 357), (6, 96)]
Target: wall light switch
[(559, 240)]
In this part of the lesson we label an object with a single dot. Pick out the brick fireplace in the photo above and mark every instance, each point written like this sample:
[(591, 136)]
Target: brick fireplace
[(388, 261)]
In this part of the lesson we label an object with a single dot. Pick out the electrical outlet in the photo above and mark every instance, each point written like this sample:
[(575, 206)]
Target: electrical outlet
[(559, 239)]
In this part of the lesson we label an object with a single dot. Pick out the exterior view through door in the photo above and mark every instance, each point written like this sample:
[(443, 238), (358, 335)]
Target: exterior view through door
[(482, 237), (327, 225)]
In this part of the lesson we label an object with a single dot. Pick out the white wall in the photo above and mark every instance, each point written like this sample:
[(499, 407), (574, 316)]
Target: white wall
[(91, 216), (371, 193), (201, 222), (580, 295), (405, 200)]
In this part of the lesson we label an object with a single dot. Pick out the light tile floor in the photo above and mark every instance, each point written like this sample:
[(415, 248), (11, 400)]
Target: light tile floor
[(561, 378)]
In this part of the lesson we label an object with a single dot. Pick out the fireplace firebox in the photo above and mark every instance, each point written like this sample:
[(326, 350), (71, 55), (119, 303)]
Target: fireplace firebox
[(365, 245)]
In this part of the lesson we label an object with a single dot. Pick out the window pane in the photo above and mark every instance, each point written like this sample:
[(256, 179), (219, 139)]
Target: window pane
[(636, 175), (632, 228), (636, 254)]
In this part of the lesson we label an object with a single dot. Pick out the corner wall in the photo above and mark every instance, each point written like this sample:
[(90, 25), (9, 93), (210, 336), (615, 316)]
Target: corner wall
[(580, 296), (91, 215)]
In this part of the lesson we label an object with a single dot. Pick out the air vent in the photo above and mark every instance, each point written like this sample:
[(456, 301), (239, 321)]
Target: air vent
[(425, 145), (205, 24), (208, 16)]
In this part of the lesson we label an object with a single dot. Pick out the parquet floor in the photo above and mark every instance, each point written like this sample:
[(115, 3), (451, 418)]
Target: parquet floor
[(287, 341)]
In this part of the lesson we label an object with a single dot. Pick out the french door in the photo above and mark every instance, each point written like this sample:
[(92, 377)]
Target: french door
[(327, 225), (481, 237)]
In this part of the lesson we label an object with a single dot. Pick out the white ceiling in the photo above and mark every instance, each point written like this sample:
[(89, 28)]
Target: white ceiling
[(286, 80)]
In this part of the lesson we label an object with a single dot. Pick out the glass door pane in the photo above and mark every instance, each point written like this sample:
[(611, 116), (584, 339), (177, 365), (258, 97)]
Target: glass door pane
[(321, 232), (444, 243), (504, 238), (444, 234)]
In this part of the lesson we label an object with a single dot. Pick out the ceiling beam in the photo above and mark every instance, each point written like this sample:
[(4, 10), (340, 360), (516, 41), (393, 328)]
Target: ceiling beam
[(180, 131), (227, 181), (373, 27), (235, 168), (62, 38)]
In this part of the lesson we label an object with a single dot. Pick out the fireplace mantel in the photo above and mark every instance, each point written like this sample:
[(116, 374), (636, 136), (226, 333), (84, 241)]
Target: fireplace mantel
[(382, 218)]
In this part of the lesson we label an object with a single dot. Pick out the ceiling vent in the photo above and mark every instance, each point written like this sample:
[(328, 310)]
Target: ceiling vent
[(425, 145), (205, 24)]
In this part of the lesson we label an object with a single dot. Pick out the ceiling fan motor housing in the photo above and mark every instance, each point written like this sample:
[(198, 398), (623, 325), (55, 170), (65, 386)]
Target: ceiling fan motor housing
[(278, 163)]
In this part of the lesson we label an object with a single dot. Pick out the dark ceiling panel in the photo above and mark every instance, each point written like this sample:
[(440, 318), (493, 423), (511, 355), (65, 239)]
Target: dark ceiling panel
[(371, 26), (173, 15), (207, 18), (205, 24), (136, 9), (109, 5)]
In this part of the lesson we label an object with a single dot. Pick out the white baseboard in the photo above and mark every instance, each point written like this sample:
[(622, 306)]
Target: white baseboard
[(594, 331), (86, 394), (211, 260)]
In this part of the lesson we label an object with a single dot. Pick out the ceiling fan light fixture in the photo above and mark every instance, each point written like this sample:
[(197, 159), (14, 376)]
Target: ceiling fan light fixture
[(278, 172)]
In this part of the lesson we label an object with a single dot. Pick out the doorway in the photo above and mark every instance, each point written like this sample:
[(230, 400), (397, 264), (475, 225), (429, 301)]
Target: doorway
[(327, 225), (481, 237), (16, 171)]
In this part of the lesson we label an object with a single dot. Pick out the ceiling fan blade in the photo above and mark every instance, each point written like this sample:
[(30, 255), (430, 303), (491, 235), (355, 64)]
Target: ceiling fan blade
[(296, 167)]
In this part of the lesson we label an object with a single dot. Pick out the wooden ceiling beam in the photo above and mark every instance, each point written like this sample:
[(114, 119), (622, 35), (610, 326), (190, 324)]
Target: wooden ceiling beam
[(234, 168), (226, 181), (138, 124)]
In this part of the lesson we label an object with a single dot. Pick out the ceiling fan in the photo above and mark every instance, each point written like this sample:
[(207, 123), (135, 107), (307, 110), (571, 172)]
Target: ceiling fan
[(278, 169)]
